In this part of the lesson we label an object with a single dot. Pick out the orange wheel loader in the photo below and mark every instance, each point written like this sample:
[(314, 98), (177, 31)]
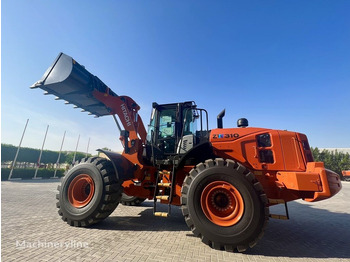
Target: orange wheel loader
[(346, 175), (224, 179)]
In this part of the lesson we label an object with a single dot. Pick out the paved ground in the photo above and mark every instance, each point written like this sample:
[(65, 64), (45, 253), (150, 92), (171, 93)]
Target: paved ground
[(33, 231)]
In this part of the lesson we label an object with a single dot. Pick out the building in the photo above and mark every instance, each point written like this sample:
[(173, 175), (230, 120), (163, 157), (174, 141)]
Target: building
[(340, 150)]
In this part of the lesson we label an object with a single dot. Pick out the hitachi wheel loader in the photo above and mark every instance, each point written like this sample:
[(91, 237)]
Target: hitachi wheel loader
[(224, 179), (346, 175)]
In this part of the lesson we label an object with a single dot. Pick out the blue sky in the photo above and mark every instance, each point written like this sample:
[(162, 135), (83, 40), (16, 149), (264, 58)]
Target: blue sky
[(281, 64)]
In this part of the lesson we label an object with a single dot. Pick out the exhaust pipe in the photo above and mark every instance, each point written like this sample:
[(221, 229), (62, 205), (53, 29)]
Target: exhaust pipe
[(219, 119)]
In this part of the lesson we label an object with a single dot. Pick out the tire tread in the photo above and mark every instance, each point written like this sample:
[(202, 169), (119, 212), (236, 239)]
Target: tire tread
[(249, 176), (110, 200)]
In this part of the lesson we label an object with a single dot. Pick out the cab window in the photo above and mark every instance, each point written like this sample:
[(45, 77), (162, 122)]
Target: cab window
[(190, 122), (151, 127), (167, 120)]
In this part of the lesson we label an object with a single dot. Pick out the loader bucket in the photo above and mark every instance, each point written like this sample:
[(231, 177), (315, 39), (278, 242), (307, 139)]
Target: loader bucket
[(70, 81)]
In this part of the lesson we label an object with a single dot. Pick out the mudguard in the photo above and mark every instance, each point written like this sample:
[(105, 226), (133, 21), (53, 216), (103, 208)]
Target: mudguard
[(123, 168), (197, 154)]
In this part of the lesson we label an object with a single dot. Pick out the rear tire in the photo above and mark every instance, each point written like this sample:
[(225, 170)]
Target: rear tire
[(131, 200), (89, 192), (224, 205)]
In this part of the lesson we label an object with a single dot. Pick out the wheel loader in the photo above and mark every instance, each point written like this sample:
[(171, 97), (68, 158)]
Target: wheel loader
[(346, 175), (224, 179)]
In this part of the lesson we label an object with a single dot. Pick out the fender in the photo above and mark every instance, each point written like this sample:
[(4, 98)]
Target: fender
[(200, 153), (123, 168)]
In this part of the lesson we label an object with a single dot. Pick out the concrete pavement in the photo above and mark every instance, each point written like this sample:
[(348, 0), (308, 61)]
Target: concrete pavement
[(33, 231)]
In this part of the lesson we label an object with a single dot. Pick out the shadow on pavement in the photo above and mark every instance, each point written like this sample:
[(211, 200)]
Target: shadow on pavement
[(145, 221), (310, 233)]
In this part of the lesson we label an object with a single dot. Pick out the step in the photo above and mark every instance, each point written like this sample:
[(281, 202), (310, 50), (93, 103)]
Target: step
[(161, 214), (283, 217), (165, 172), (276, 201), (162, 197), (164, 184)]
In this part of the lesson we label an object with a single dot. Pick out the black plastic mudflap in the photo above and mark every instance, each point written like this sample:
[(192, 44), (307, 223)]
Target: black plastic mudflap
[(122, 167)]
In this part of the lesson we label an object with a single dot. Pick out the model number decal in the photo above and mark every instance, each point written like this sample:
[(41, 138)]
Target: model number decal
[(235, 135)]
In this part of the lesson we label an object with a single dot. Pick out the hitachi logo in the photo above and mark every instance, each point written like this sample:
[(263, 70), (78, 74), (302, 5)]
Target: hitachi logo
[(125, 113)]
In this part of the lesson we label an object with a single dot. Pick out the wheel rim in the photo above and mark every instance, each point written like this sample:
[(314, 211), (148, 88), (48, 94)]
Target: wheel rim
[(81, 190), (222, 203)]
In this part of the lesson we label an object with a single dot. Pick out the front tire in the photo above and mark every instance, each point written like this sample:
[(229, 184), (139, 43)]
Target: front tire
[(224, 205), (89, 192)]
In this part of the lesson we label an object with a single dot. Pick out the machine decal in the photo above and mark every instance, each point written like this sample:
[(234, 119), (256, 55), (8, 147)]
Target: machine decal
[(125, 113), (235, 135)]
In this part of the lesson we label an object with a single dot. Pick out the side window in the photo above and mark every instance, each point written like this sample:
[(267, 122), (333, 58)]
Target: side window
[(167, 123), (264, 148), (151, 126), (190, 125)]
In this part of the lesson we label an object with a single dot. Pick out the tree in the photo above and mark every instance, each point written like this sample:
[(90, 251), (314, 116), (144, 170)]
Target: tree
[(31, 155), (70, 155), (336, 161), (28, 155)]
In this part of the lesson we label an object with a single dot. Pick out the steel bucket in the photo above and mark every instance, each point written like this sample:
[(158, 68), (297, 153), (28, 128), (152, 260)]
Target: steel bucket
[(70, 81)]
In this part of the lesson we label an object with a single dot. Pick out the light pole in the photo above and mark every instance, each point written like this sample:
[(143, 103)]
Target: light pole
[(76, 148), (41, 152), (59, 155), (19, 146)]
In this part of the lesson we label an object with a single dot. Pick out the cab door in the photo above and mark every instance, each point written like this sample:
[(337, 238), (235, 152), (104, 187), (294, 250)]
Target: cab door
[(167, 129)]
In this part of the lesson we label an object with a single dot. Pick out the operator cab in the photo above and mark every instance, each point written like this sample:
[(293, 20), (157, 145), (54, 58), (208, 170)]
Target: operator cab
[(174, 130)]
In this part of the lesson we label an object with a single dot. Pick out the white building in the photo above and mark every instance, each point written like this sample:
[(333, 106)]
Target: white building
[(340, 150)]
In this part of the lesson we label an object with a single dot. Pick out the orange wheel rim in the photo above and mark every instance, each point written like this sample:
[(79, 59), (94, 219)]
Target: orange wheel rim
[(81, 190), (222, 203)]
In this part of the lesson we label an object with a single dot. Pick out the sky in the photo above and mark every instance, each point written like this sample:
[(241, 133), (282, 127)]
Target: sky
[(280, 64)]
